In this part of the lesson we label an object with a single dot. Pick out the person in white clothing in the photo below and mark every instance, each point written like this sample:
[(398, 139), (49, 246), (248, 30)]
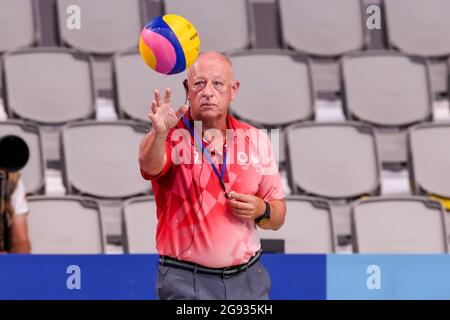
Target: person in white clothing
[(16, 206)]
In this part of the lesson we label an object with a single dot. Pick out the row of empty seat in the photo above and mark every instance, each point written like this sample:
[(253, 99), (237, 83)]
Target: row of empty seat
[(319, 28), (384, 88), (387, 89), (331, 160), (335, 161), (73, 224)]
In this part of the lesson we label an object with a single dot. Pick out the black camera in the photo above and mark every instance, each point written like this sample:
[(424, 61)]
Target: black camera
[(14, 153)]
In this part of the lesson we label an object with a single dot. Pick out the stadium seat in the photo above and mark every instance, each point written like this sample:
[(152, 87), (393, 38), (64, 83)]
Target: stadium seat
[(336, 161), (324, 29), (222, 25), (101, 160), (48, 85), (139, 225), (307, 228), (412, 225), (107, 26), (333, 160), (19, 24), (65, 225), (33, 172), (389, 90), (134, 83), (421, 28), (279, 96), (429, 160)]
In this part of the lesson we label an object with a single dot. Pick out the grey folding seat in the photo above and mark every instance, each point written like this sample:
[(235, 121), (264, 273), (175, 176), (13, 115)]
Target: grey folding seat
[(333, 160), (101, 160), (307, 228), (336, 161), (19, 24), (222, 25), (32, 174), (65, 225), (276, 90), (399, 225), (139, 225), (107, 26), (429, 159), (389, 90), (324, 29), (49, 86), (421, 28), (134, 83), (19, 27)]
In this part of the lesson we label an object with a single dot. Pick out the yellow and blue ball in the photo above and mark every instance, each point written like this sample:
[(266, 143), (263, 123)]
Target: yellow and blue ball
[(169, 44)]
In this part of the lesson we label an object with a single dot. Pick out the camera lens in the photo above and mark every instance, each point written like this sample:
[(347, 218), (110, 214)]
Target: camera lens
[(14, 153)]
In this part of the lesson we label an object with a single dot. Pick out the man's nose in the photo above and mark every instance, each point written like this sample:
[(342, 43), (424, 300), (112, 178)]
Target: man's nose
[(208, 91)]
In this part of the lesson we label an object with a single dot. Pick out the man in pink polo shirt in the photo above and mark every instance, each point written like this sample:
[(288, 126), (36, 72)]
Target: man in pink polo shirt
[(215, 180)]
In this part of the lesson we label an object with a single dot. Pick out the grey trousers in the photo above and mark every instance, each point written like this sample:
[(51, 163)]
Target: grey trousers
[(178, 284)]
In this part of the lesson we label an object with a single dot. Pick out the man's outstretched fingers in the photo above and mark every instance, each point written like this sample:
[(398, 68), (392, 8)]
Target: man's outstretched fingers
[(167, 95), (154, 107), (157, 97)]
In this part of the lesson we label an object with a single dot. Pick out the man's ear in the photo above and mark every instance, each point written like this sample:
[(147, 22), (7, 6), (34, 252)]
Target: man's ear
[(186, 89), (234, 88)]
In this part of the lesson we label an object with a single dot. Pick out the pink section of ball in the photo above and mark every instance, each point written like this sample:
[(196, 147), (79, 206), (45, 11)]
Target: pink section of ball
[(162, 48)]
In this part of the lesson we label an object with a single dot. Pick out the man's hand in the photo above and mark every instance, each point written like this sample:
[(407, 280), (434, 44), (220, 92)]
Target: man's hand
[(162, 115), (245, 206)]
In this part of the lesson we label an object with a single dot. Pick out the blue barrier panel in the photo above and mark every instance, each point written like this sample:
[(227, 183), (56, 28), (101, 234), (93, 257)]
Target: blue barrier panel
[(61, 277), (388, 277), (295, 276), (125, 277)]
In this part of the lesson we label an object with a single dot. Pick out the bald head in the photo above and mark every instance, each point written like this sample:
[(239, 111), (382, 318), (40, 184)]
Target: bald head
[(212, 57)]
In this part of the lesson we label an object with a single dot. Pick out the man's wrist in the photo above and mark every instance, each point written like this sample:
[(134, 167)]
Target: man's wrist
[(160, 135), (265, 217)]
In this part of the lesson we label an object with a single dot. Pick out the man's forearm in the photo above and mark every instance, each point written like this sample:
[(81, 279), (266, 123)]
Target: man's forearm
[(152, 153), (277, 215)]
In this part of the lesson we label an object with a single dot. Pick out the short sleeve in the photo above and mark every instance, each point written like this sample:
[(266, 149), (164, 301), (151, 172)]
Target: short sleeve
[(18, 199), (271, 186)]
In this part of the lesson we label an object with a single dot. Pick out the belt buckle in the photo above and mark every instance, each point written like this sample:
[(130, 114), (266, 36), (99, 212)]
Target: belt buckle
[(224, 274)]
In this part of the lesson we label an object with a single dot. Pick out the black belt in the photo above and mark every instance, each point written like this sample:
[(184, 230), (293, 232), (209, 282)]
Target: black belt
[(224, 272)]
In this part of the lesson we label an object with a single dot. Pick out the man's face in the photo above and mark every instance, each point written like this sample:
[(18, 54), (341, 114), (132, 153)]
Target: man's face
[(211, 88)]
